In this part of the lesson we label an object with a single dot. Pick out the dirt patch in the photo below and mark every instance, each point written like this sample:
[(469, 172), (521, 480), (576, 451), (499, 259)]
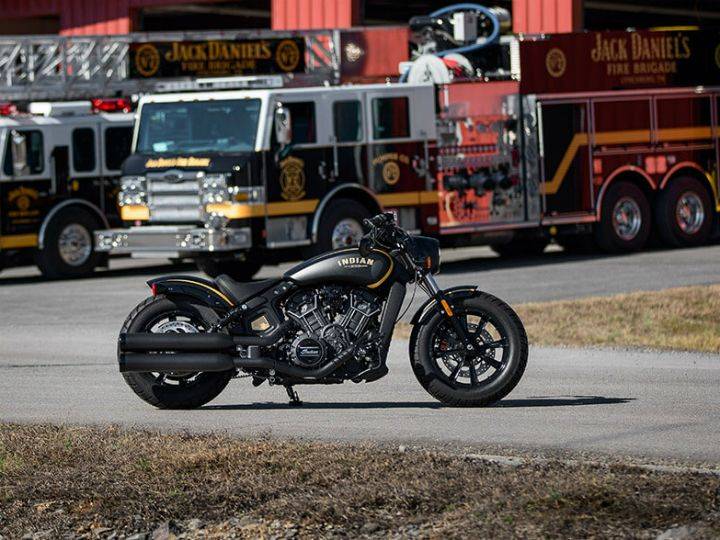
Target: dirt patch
[(686, 318), (109, 482)]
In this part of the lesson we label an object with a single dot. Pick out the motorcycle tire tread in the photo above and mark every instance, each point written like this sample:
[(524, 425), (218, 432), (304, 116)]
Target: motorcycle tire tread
[(456, 398), (215, 384)]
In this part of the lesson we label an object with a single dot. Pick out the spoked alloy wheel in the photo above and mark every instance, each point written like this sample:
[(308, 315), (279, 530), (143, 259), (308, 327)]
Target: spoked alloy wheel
[(174, 390), (466, 376), (468, 368), (176, 323)]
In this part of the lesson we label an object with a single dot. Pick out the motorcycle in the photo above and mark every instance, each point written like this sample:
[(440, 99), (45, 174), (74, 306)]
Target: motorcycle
[(328, 320)]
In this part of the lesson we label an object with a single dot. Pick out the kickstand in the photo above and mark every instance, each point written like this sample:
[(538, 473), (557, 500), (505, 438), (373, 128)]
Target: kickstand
[(293, 395)]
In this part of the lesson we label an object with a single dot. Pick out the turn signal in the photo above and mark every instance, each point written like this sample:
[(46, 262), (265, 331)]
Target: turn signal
[(446, 307)]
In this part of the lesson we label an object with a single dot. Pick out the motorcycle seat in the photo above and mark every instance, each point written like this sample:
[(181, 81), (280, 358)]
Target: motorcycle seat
[(241, 292)]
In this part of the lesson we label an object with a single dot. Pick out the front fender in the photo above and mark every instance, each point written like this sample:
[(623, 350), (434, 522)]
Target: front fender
[(201, 289), (431, 306)]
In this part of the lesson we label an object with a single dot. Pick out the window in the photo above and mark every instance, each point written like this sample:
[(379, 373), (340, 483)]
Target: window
[(228, 125), (347, 118), (302, 116), (117, 146), (35, 153), (83, 149), (390, 118)]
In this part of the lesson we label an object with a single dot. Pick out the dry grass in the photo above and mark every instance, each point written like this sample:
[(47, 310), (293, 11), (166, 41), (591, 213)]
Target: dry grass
[(93, 482), (686, 318)]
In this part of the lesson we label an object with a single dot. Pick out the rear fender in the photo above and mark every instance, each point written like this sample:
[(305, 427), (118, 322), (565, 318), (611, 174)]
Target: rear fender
[(431, 306), (201, 289)]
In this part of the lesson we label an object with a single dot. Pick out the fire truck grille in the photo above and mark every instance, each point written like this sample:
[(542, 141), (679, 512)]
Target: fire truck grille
[(174, 197)]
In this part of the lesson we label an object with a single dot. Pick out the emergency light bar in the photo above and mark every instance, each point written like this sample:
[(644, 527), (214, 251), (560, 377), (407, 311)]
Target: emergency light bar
[(222, 83)]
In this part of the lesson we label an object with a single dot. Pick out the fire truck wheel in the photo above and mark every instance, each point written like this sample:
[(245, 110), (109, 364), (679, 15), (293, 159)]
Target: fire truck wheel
[(69, 247), (624, 219), (521, 247), (238, 270), (684, 213), (340, 225)]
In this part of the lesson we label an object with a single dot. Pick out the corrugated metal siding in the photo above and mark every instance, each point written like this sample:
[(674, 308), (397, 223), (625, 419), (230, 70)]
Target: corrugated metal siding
[(546, 16), (83, 17), (306, 14)]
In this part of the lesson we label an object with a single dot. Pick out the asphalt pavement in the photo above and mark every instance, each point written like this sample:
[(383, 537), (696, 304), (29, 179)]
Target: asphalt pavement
[(57, 364)]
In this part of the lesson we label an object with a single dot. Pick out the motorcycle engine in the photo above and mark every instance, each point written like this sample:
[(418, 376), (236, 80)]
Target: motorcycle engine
[(330, 320)]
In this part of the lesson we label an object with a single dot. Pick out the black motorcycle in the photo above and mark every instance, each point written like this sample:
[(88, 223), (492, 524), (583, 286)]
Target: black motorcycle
[(327, 320)]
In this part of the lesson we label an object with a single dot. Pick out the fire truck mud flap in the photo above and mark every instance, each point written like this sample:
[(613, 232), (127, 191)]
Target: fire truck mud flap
[(172, 240)]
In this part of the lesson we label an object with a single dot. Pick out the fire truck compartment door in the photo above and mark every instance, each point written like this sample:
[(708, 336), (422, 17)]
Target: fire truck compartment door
[(565, 157)]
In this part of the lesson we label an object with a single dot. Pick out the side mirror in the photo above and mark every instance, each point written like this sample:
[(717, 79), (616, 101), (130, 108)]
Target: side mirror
[(283, 125), (18, 147)]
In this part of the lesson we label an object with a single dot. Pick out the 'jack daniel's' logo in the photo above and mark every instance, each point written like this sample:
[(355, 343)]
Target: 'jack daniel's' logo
[(356, 262)]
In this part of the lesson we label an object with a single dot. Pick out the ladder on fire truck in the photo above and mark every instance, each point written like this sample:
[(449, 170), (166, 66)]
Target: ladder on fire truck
[(77, 67)]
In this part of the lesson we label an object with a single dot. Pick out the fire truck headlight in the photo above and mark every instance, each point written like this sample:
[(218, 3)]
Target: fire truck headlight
[(132, 191), (214, 189)]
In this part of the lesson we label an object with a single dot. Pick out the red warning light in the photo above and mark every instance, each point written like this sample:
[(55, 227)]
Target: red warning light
[(111, 105)]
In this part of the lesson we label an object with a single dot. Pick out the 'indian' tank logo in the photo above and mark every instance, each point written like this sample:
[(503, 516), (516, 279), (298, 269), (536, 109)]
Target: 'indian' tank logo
[(292, 178), (555, 62), (147, 60), (287, 55), (355, 262)]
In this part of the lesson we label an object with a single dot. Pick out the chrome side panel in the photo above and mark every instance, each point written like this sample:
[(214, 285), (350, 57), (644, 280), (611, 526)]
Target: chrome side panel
[(531, 156)]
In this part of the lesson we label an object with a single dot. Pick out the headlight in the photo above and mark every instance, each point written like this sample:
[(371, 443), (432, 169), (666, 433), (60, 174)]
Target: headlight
[(214, 188), (132, 190)]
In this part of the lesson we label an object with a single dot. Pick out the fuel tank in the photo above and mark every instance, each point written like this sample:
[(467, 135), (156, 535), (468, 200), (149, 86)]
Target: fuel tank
[(344, 266)]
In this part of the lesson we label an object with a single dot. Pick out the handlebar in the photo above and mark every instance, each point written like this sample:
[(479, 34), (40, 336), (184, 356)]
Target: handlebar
[(383, 231), (379, 221)]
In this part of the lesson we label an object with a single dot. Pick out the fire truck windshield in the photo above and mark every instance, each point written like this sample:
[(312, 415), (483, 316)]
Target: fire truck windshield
[(222, 126)]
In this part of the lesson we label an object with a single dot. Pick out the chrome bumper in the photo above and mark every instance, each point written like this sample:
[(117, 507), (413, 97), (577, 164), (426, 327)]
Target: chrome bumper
[(171, 241)]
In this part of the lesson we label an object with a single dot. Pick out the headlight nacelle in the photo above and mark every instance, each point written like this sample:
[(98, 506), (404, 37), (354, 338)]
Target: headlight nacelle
[(133, 191), (214, 189)]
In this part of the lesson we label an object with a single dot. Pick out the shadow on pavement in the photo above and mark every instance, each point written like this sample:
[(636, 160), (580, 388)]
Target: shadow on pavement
[(322, 405), (561, 401), (557, 401)]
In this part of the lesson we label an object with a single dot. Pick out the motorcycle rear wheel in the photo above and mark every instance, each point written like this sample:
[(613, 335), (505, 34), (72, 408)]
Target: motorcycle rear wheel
[(458, 378), (174, 390)]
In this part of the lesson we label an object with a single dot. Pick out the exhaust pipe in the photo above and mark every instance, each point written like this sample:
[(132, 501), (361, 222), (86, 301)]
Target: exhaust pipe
[(187, 362), (175, 342), (200, 342)]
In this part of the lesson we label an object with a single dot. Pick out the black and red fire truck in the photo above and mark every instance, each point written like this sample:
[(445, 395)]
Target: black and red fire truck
[(59, 180), (599, 137)]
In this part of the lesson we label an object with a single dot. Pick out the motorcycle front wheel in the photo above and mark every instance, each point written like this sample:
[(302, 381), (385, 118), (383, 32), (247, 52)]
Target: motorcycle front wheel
[(174, 390), (460, 378)]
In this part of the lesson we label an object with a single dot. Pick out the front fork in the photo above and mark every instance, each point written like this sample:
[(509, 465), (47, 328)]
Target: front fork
[(438, 295)]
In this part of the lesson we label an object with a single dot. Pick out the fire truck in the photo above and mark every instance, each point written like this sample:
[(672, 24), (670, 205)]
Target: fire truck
[(59, 182), (263, 146), (598, 137)]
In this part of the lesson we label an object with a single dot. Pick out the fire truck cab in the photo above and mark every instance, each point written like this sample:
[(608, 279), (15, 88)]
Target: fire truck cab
[(224, 175), (58, 184)]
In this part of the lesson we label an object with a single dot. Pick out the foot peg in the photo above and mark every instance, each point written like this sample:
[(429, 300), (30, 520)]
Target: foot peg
[(293, 395)]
